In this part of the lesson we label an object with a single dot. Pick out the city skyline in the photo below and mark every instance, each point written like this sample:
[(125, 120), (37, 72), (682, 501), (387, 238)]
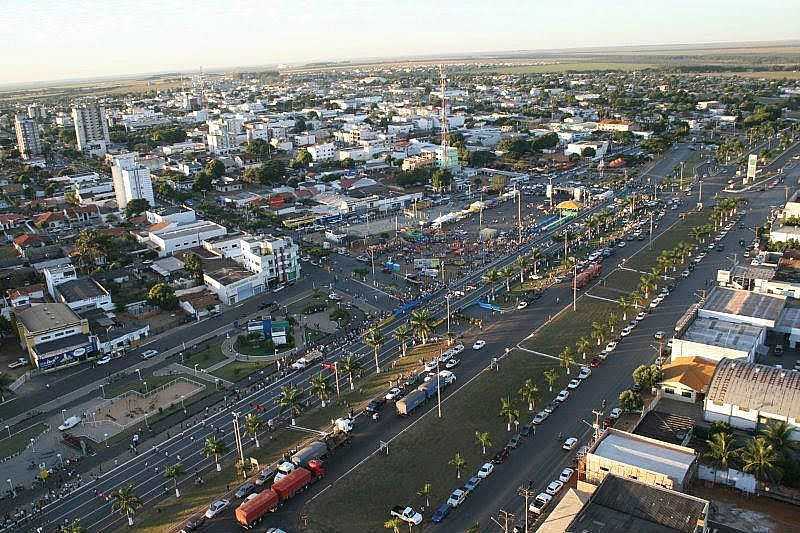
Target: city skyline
[(150, 37)]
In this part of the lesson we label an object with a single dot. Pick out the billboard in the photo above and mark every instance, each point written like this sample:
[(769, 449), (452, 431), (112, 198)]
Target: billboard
[(752, 164), (426, 263)]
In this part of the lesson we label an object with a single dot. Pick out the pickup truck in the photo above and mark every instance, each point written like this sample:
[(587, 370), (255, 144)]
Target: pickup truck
[(406, 514)]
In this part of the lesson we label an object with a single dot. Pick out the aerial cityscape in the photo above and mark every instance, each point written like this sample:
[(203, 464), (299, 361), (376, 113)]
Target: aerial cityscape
[(366, 266)]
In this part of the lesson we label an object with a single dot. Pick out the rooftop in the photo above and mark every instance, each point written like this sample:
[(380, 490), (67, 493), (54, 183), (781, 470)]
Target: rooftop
[(744, 303), (43, 317), (645, 453), (80, 289), (226, 271), (753, 272), (693, 372), (724, 334), (756, 387), (626, 505)]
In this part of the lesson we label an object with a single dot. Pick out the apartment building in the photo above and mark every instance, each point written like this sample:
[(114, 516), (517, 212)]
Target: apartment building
[(91, 129), (131, 180), (28, 141)]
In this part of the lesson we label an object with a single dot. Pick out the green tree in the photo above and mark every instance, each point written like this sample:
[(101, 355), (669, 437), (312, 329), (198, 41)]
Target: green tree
[(402, 335), (73, 527), (458, 462), (349, 365), (778, 433), (321, 387), (484, 440), (252, 426), (630, 401), (551, 377), (583, 346), (425, 492), (375, 339), (441, 179), (647, 376), (174, 472), (194, 266), (422, 322), (126, 502), (721, 451), (213, 447), (163, 296), (302, 159), (394, 524), (215, 169), (508, 411), (529, 393), (567, 357), (760, 459), (290, 400), (491, 277)]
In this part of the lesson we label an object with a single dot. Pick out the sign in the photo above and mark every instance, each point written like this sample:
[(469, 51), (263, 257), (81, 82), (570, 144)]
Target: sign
[(752, 165), (426, 263), (53, 360)]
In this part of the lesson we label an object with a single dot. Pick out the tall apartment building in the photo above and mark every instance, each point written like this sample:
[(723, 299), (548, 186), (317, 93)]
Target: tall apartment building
[(131, 180), (91, 128), (36, 112), (27, 137)]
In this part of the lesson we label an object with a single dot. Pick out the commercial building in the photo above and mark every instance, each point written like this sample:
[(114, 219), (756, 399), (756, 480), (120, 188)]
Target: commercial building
[(322, 152), (28, 140), (131, 180), (640, 458), (91, 129), (686, 378), (83, 294), (54, 336), (185, 236), (748, 396)]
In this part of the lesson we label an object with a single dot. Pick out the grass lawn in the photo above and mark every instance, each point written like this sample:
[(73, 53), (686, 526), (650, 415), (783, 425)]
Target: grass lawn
[(153, 382), (236, 370), (206, 358), (570, 326), (576, 66), (646, 259), (17, 442)]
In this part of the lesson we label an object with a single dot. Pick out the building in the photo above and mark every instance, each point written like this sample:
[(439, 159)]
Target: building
[(322, 152), (185, 236), (615, 125), (57, 274), (640, 458), (83, 294), (629, 505), (748, 396), (54, 336), (91, 129), (28, 141), (686, 378), (131, 180)]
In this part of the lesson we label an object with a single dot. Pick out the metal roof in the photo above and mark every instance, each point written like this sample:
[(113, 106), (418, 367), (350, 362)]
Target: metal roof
[(716, 332), (756, 387), (645, 453), (744, 303)]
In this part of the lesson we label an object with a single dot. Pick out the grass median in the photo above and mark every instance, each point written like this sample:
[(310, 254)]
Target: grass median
[(19, 440)]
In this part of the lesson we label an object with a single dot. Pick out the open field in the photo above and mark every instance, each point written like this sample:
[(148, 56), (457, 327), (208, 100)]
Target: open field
[(578, 66), (19, 440), (768, 75)]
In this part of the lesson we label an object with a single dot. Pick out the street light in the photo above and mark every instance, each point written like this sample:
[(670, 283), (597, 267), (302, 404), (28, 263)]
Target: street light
[(195, 369), (63, 415), (105, 438), (139, 372), (8, 428), (145, 386), (13, 490), (60, 459), (33, 445)]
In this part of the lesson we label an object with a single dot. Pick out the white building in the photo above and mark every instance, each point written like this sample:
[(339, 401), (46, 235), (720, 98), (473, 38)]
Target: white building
[(322, 152), (91, 129), (55, 275), (599, 148), (131, 180), (28, 140), (185, 236)]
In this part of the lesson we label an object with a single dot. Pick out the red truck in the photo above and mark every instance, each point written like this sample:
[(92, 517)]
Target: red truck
[(591, 272), (251, 512)]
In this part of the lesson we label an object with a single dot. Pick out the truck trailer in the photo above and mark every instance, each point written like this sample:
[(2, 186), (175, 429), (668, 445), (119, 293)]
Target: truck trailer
[(409, 403)]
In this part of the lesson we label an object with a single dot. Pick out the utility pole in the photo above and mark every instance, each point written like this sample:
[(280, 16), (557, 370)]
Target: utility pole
[(651, 231), (519, 211), (438, 386), (575, 288), (526, 493), (238, 437), (447, 299), (507, 520), (551, 190)]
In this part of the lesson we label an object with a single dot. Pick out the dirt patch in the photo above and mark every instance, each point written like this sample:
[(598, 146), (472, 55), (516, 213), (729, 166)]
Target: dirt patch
[(754, 514)]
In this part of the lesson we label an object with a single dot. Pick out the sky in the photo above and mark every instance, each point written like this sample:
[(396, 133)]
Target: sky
[(69, 39)]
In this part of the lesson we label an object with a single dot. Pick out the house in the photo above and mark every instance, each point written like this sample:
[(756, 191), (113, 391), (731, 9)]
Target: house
[(82, 294), (54, 336), (26, 242), (9, 221), (113, 337), (27, 295), (686, 378), (748, 396), (199, 304)]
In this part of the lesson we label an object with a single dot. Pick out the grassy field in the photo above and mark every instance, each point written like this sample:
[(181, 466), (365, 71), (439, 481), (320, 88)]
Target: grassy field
[(236, 370), (18, 441), (769, 75), (578, 66), (206, 358), (645, 260)]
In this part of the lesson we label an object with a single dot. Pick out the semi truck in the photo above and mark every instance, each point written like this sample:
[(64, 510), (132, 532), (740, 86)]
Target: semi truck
[(319, 449), (591, 272), (251, 512), (409, 403)]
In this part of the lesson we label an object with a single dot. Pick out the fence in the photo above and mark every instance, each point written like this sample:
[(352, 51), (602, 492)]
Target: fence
[(729, 478), (108, 404), (20, 381)]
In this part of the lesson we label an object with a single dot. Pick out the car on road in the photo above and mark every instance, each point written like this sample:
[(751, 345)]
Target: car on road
[(595, 362), (456, 498), (486, 470), (615, 413), (103, 360), (478, 344), (441, 513), (570, 444), (585, 372), (610, 347), (244, 490), (656, 302), (626, 331), (501, 456), (658, 335), (266, 476), (217, 507), (334, 297), (431, 365), (149, 353), (566, 475), (20, 362), (193, 524), (622, 244), (527, 429), (457, 349), (562, 396), (554, 487), (540, 502), (471, 484), (375, 405), (522, 305), (514, 442), (394, 394), (452, 363), (686, 273), (574, 383), (641, 316)]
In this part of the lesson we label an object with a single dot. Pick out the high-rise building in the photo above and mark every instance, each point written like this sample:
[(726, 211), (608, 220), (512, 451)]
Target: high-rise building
[(27, 137), (91, 128), (131, 180), (36, 112)]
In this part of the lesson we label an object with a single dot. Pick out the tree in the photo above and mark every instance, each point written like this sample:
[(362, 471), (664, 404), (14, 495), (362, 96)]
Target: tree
[(441, 179), (290, 401), (484, 440), (73, 527), (174, 472), (163, 296), (302, 159), (458, 462), (375, 339), (491, 277), (425, 492), (215, 169), (402, 335), (321, 387), (760, 459), (583, 346), (588, 152), (567, 357), (126, 502), (630, 401), (551, 377), (529, 393), (137, 206), (252, 426), (508, 411), (778, 433), (202, 182), (194, 266), (422, 323), (647, 376), (90, 246), (598, 332), (394, 524), (721, 451), (213, 447), (349, 365)]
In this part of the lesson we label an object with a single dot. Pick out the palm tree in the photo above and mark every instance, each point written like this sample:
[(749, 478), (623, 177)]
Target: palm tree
[(625, 305), (507, 273), (425, 492), (252, 426), (74, 527), (567, 357), (350, 365), (535, 256), (598, 332), (645, 285), (778, 433), (760, 459), (126, 502), (422, 323), (458, 462), (484, 440), (290, 401), (583, 346), (375, 339), (508, 411), (611, 321), (492, 277), (321, 387), (214, 447), (551, 377), (529, 393), (402, 335), (474, 528), (173, 472), (721, 452), (523, 263), (394, 524)]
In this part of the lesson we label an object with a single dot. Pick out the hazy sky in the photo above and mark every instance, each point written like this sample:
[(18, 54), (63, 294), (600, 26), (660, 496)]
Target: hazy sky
[(58, 39)]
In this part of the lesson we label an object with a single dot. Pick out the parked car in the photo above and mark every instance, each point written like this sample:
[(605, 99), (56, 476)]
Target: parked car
[(456, 498), (554, 487), (595, 362), (615, 412), (566, 475), (540, 502), (471, 484), (514, 442), (641, 316), (486, 470), (610, 347), (570, 444), (452, 363), (574, 383), (375, 405), (626, 331), (149, 353), (441, 513), (244, 490), (501, 456), (522, 305), (562, 396), (394, 394), (217, 507), (585, 372)]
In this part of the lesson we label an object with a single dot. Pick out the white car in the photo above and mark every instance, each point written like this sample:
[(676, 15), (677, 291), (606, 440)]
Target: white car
[(570, 444), (456, 498), (658, 335), (431, 365), (149, 353), (540, 417), (566, 475), (335, 297), (457, 349), (585, 372), (562, 396), (685, 273), (393, 393), (615, 413), (610, 347), (522, 305), (574, 384), (217, 507), (641, 316), (486, 470), (540, 502), (18, 363), (478, 344), (655, 303), (103, 360), (300, 364), (452, 363), (622, 244), (70, 423), (626, 331), (554, 487)]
